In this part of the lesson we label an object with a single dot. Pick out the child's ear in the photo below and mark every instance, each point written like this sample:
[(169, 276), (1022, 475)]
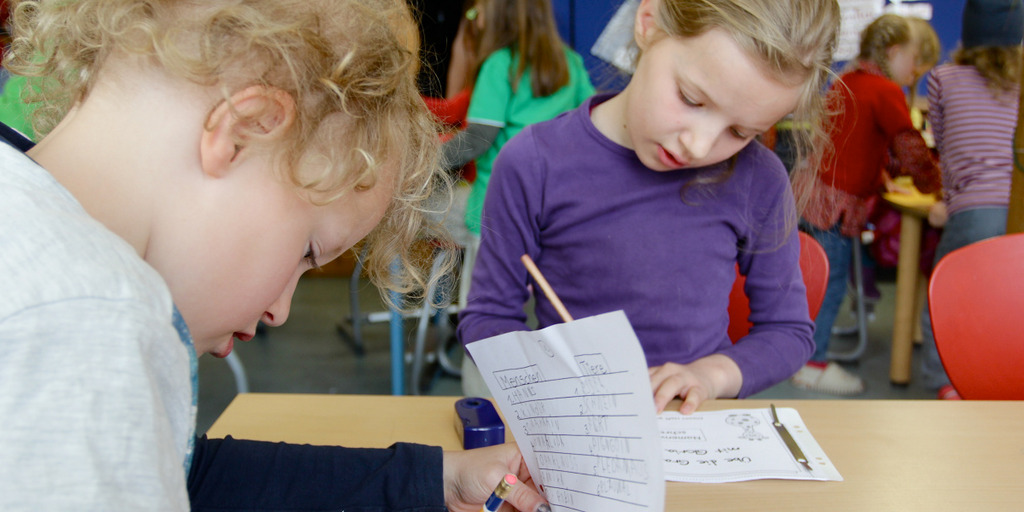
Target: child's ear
[(254, 112), (645, 27)]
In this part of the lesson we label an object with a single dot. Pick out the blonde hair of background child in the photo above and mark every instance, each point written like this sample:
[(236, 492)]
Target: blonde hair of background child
[(528, 28), (884, 32), (793, 39), (929, 48), (347, 64), (929, 51)]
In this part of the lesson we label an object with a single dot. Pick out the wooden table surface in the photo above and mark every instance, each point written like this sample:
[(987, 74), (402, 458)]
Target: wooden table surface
[(898, 455)]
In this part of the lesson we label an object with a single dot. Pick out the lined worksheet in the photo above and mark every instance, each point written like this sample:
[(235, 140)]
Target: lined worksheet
[(577, 398)]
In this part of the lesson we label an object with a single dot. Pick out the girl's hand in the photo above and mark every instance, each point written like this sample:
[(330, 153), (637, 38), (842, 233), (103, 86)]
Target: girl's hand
[(714, 376), (899, 187), (470, 477), (937, 214)]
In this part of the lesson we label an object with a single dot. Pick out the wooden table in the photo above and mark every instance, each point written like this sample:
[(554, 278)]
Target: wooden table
[(909, 286), (898, 455)]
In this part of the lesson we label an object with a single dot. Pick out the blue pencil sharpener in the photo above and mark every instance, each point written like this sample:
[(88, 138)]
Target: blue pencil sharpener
[(478, 423)]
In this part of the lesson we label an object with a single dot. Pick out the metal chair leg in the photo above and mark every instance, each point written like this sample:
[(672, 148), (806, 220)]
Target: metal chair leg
[(397, 331), (444, 335), (355, 339), (241, 381), (418, 357), (440, 317), (443, 324)]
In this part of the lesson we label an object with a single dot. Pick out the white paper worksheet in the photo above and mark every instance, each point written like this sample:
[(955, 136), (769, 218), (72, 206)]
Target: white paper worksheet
[(577, 398), (738, 444)]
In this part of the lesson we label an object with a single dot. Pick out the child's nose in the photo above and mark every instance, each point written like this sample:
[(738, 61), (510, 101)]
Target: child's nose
[(278, 311), (698, 143)]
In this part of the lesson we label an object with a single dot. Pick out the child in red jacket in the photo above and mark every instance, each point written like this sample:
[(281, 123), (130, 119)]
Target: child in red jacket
[(872, 118)]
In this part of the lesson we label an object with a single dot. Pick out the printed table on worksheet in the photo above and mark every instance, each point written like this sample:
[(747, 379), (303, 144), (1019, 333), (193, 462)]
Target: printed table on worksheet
[(577, 398)]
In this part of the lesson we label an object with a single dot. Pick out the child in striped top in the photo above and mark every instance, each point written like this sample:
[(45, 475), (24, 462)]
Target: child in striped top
[(973, 104)]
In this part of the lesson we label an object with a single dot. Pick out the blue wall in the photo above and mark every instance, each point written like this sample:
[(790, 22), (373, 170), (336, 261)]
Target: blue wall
[(946, 16), (580, 22)]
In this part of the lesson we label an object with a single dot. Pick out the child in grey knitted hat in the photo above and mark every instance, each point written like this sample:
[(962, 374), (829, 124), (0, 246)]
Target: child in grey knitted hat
[(992, 23)]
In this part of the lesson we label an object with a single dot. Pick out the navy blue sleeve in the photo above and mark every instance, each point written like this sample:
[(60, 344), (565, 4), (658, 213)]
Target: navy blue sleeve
[(15, 138), (233, 475)]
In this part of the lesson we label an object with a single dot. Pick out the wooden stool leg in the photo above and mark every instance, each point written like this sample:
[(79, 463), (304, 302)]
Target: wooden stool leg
[(906, 290)]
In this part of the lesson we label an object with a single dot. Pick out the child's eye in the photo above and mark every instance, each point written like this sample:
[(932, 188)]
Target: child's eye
[(738, 134), (310, 257), (686, 99)]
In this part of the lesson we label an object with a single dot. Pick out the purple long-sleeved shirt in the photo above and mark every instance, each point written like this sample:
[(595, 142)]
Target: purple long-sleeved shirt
[(610, 234)]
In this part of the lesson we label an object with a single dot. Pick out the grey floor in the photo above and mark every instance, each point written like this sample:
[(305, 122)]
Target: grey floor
[(307, 355)]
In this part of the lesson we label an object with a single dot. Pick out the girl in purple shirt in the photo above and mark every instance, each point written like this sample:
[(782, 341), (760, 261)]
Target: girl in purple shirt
[(647, 201)]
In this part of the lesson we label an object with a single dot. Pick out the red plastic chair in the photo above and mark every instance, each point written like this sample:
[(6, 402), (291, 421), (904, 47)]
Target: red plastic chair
[(976, 301), (452, 112), (813, 264)]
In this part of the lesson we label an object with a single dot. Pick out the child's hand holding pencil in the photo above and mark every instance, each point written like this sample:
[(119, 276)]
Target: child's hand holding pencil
[(470, 477), (501, 492)]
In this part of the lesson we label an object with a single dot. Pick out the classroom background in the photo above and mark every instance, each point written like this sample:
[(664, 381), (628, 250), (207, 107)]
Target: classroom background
[(316, 350)]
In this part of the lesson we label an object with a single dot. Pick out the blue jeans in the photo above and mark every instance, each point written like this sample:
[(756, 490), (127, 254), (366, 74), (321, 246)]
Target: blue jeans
[(839, 250), (962, 229)]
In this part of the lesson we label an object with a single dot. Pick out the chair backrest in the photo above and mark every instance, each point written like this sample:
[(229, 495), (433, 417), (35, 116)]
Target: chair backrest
[(813, 265), (976, 301)]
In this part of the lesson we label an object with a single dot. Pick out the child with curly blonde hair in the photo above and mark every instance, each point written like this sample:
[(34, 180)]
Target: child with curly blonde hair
[(197, 158)]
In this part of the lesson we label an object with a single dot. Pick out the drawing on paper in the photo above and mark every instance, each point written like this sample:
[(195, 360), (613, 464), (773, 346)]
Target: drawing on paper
[(748, 424)]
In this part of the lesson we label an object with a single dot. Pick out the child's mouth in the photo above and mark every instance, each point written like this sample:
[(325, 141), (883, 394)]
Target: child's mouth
[(669, 159)]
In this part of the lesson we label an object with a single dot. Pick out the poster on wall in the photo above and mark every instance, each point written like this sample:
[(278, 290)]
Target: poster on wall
[(921, 10), (856, 14), (615, 43)]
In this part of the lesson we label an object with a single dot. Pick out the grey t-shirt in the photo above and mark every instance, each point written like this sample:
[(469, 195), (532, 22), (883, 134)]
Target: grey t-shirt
[(96, 408)]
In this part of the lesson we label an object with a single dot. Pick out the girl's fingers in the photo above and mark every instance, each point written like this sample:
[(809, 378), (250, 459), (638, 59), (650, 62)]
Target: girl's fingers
[(690, 403), (665, 392)]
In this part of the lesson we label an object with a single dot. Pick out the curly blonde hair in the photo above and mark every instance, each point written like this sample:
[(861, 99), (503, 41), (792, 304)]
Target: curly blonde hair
[(793, 39), (347, 64), (1000, 65)]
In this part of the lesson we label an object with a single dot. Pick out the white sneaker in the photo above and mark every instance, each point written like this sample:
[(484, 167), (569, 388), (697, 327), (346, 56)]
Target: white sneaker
[(833, 379)]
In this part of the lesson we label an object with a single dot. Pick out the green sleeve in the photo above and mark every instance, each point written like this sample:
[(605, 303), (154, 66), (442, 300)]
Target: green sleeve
[(493, 90), (13, 111)]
